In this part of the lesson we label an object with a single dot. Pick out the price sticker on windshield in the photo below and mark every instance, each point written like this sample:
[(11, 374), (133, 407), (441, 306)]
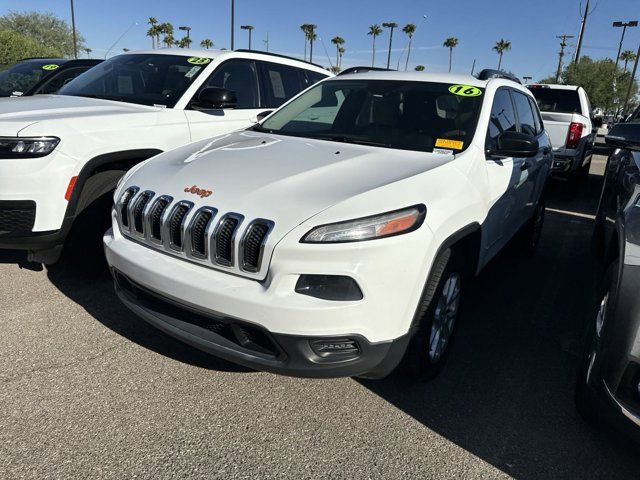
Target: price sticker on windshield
[(51, 66), (198, 60), (452, 144), (465, 90)]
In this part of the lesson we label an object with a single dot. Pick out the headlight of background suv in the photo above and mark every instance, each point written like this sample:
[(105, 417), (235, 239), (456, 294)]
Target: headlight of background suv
[(369, 228), (27, 147)]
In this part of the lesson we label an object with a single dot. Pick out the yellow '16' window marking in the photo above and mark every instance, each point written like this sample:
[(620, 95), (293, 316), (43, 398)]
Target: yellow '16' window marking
[(465, 90), (453, 144), (51, 66), (198, 60)]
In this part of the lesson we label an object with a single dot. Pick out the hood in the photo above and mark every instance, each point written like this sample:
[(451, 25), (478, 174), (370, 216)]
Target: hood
[(283, 179), (18, 113)]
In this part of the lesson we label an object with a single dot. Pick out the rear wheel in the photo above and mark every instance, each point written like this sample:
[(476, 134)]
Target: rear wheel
[(437, 316)]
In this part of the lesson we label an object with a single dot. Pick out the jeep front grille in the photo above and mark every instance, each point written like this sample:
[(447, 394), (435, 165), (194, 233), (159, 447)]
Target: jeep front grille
[(198, 235)]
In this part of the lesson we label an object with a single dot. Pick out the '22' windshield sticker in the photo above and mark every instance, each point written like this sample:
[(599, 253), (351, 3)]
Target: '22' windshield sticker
[(465, 90), (51, 66), (198, 60)]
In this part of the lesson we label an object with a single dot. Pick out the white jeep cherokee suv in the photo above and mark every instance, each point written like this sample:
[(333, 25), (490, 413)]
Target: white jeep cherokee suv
[(334, 237), (61, 154)]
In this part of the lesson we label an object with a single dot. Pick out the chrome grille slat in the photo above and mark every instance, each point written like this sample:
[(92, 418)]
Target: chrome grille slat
[(198, 235)]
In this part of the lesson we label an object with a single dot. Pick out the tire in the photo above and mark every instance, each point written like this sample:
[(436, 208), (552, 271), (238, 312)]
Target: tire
[(437, 316), (532, 231), (585, 395)]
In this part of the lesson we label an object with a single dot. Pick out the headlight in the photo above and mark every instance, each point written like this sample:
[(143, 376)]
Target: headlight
[(27, 147), (369, 228)]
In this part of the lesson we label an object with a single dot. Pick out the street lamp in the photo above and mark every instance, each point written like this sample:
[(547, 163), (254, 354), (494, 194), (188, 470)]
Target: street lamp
[(526, 79), (185, 29), (249, 28), (233, 21), (390, 25), (624, 26), (73, 28)]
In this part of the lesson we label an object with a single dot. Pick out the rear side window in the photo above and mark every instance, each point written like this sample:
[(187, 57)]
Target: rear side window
[(558, 101), (282, 83), (536, 116), (313, 77), (525, 114), (503, 117), (56, 82)]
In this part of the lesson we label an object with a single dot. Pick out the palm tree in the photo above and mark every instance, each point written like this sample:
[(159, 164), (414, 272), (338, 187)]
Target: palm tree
[(88, 51), (419, 68), (312, 36), (305, 27), (450, 43), (340, 53), (184, 42), (374, 31), (153, 30), (409, 29), (627, 56), (206, 43), (337, 41), (501, 46)]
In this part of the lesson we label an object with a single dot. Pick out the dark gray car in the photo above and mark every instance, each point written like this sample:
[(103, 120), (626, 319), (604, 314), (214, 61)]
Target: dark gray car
[(608, 388)]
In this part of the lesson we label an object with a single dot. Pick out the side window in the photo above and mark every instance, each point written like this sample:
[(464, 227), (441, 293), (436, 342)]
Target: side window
[(239, 76), (281, 83), (536, 116), (503, 117), (58, 81), (313, 77), (525, 114)]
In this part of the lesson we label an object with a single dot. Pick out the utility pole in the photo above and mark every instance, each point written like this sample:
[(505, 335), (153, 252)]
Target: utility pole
[(390, 25), (583, 25), (233, 13), (563, 45), (633, 76), (73, 28), (624, 26)]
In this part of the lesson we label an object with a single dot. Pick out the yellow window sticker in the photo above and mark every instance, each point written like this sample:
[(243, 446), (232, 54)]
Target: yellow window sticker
[(198, 60), (465, 90), (453, 144), (50, 66)]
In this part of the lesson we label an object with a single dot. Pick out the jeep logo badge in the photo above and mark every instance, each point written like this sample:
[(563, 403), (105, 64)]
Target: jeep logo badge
[(201, 192)]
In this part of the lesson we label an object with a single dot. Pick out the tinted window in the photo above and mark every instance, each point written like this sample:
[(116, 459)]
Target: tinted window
[(147, 79), (282, 83), (24, 75), (240, 77), (503, 117), (57, 81), (525, 114), (554, 100), (402, 115), (536, 116), (314, 77)]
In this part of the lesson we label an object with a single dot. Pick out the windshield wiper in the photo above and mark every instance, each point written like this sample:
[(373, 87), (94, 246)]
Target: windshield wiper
[(354, 140)]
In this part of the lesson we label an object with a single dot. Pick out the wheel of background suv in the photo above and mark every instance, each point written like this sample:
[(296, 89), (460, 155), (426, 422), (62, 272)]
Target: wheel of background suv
[(531, 233), (438, 314), (598, 314)]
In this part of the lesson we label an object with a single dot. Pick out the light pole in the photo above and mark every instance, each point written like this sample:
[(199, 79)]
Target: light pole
[(633, 76), (526, 79), (249, 28), (233, 12), (390, 25), (185, 29), (624, 26), (73, 28)]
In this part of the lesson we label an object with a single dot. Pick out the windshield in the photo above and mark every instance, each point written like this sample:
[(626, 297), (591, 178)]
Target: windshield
[(386, 113), (22, 76), (146, 79), (556, 100)]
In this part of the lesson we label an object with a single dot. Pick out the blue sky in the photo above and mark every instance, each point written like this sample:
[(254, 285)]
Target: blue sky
[(530, 26)]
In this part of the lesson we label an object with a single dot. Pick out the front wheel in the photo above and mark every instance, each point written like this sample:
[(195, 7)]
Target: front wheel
[(437, 316)]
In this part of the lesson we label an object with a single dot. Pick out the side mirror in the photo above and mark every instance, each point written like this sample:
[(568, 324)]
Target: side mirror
[(263, 115), (216, 97), (515, 144), (624, 135)]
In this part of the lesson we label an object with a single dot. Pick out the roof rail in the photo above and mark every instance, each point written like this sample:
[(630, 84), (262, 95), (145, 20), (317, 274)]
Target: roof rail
[(489, 73), (364, 69), (246, 50)]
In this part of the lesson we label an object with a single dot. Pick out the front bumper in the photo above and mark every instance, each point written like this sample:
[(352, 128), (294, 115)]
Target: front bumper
[(255, 347)]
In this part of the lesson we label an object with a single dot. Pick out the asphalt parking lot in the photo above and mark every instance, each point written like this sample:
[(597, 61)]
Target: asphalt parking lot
[(89, 390)]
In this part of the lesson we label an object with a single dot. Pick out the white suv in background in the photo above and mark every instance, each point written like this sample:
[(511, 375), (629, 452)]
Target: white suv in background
[(62, 155), (333, 238)]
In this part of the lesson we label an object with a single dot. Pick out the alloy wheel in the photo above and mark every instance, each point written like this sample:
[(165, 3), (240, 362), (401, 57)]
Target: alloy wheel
[(444, 318)]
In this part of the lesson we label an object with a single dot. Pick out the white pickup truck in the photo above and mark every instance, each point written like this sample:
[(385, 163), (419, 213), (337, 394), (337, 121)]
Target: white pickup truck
[(566, 112)]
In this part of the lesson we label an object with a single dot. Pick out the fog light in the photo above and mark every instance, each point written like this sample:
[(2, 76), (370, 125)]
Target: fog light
[(329, 287), (337, 347)]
